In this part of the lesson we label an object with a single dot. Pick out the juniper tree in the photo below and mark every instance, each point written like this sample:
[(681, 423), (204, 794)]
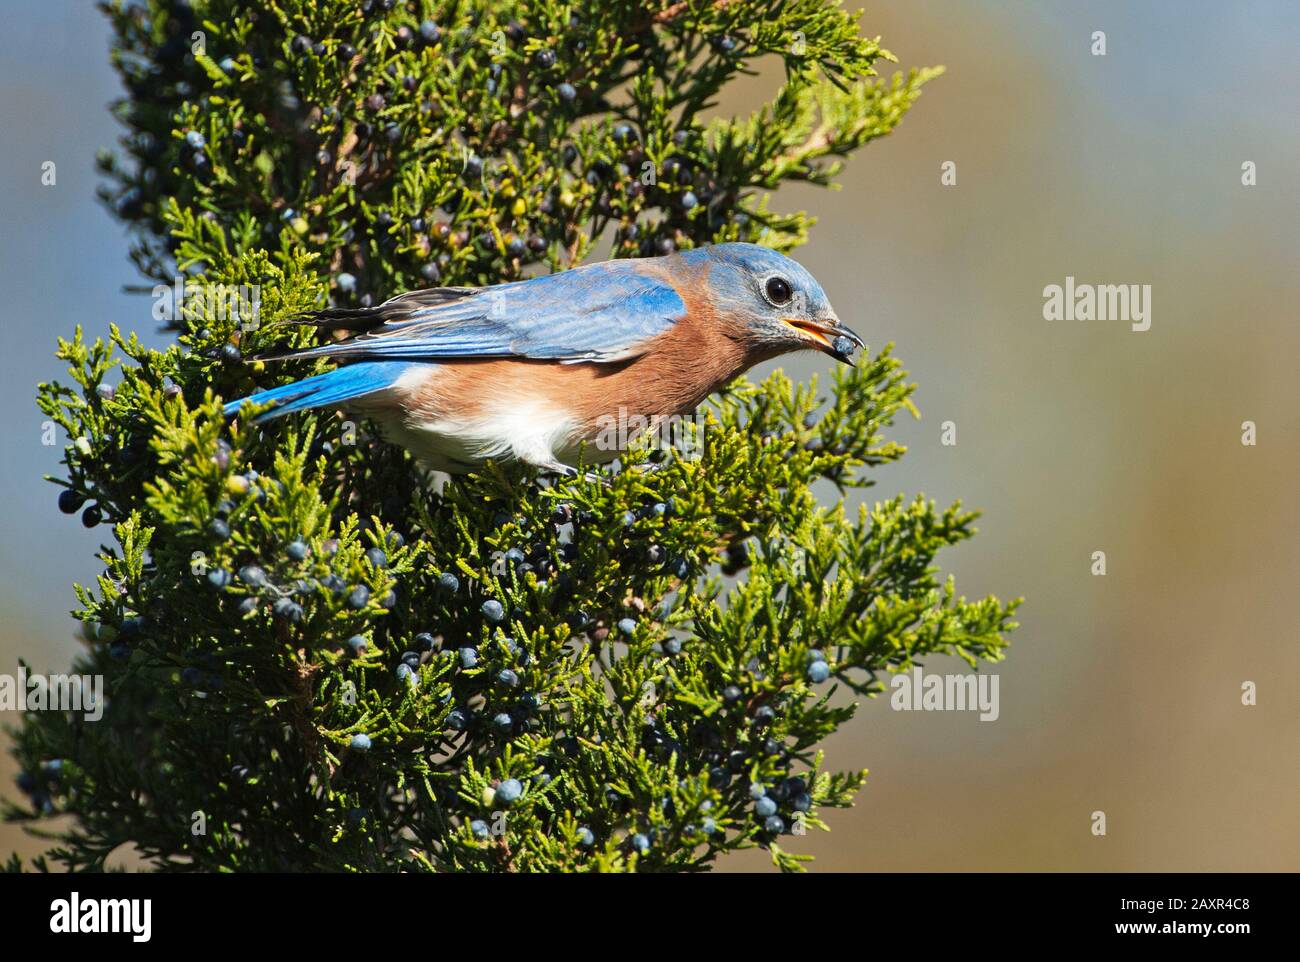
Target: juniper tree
[(319, 657)]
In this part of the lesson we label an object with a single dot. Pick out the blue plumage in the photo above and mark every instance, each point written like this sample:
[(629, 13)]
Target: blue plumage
[(535, 369), (324, 390), (602, 312)]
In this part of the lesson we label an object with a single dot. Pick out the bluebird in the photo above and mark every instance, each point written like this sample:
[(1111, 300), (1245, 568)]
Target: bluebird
[(535, 370)]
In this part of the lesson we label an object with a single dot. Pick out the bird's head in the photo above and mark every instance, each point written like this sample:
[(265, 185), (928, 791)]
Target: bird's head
[(776, 303)]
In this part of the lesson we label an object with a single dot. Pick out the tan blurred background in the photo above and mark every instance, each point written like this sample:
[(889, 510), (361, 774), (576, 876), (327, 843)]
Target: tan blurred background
[(1120, 693)]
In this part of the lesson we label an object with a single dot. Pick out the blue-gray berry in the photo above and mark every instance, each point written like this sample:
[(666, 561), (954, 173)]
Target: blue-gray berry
[(70, 502), (509, 792), (287, 609)]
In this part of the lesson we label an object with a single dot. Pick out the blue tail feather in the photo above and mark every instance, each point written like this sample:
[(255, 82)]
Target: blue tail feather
[(324, 390)]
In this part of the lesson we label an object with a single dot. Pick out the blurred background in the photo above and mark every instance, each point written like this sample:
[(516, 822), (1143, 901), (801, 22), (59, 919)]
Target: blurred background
[(1120, 693)]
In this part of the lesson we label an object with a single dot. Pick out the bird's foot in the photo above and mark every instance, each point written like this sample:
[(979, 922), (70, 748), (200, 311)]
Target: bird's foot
[(567, 471), (651, 467)]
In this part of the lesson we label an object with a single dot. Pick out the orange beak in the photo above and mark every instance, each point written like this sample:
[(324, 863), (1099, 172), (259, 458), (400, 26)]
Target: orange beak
[(829, 336)]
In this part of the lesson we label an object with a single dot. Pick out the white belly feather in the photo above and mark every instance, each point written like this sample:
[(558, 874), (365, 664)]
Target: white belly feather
[(530, 430)]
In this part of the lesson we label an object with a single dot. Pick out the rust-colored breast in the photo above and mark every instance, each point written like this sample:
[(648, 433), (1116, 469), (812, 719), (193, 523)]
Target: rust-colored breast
[(678, 370)]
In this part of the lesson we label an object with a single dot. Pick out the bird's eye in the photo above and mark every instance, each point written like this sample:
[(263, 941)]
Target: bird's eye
[(778, 290)]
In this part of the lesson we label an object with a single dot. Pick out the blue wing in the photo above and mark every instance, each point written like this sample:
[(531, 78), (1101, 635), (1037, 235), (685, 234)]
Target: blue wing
[(602, 312)]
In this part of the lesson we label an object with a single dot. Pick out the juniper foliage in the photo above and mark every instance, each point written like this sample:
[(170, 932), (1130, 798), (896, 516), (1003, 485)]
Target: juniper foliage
[(317, 660)]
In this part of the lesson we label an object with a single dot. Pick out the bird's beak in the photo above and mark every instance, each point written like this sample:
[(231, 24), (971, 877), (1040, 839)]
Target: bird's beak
[(829, 335)]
